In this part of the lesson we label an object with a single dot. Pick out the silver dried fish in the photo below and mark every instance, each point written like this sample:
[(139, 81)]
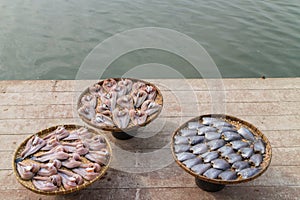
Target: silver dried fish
[(201, 168), (247, 134), (192, 162), (199, 148)]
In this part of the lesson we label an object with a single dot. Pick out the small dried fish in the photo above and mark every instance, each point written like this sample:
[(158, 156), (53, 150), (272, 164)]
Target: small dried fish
[(248, 172), (247, 134), (109, 99), (125, 101), (220, 164), (233, 157), (194, 125), (201, 168), (192, 162), (139, 96), (87, 111), (102, 120), (88, 172), (109, 84), (185, 156), (49, 169), (212, 135), (47, 184), (215, 144), (246, 152), (33, 145), (69, 179), (89, 100), (230, 136), (188, 132), (127, 83), (181, 140), (204, 129), (196, 139), (138, 117), (100, 157), (210, 120), (209, 156), (178, 148), (151, 92), (228, 175), (120, 90), (226, 128), (212, 173), (81, 133), (199, 148), (240, 165), (238, 144), (121, 117), (150, 107), (256, 160), (259, 146), (219, 124), (225, 150), (72, 162), (27, 170)]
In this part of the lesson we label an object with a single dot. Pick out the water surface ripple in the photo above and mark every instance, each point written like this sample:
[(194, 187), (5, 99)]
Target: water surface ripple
[(50, 39)]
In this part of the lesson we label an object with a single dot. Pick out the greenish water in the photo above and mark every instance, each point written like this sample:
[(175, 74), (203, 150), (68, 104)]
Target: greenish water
[(42, 39)]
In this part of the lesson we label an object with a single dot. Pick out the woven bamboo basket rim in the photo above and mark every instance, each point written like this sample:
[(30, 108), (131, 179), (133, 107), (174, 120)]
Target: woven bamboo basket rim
[(238, 123), (131, 126), (29, 185)]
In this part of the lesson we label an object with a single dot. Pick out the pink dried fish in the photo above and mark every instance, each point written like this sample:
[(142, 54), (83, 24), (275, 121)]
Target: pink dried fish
[(104, 109), (100, 157), (125, 101), (127, 83), (69, 179), (110, 99), (138, 117), (88, 171), (27, 170), (56, 153), (33, 145), (138, 85), (73, 161), (151, 92), (51, 143), (109, 84), (97, 90), (81, 133), (96, 143), (60, 133), (76, 147), (150, 107), (121, 117), (102, 120), (48, 169), (47, 184), (139, 96), (120, 90), (87, 111), (89, 100)]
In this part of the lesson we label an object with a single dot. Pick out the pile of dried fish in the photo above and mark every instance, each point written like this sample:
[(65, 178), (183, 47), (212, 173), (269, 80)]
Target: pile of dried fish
[(217, 149), (118, 103), (63, 158)]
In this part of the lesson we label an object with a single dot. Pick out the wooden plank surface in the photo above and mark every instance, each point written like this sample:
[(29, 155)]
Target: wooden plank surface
[(273, 105)]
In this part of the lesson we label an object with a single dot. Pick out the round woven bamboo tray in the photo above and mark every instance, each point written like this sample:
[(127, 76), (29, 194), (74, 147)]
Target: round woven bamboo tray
[(131, 126), (28, 183), (238, 123)]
